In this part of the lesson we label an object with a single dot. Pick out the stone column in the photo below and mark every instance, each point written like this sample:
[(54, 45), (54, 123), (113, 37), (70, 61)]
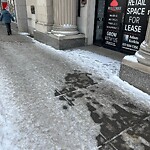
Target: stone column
[(65, 17), (21, 14), (143, 55)]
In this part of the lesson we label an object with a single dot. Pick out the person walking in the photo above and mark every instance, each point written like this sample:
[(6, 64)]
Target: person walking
[(6, 18)]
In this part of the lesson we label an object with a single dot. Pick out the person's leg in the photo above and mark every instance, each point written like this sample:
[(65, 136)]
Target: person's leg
[(7, 27), (10, 29)]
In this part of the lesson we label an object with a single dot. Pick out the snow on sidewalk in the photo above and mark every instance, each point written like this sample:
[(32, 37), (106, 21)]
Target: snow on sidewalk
[(101, 66), (8, 113)]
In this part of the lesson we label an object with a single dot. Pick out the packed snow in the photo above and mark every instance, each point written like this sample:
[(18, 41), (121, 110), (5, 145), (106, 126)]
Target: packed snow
[(131, 58), (8, 132)]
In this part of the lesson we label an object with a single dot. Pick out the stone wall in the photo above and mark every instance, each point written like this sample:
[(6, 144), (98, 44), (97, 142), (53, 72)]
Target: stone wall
[(31, 17), (44, 15)]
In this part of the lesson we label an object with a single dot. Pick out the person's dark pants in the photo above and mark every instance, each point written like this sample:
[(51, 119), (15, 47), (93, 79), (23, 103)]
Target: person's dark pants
[(8, 26)]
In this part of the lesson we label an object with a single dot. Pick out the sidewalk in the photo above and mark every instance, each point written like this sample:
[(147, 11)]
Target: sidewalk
[(118, 119), (12, 38)]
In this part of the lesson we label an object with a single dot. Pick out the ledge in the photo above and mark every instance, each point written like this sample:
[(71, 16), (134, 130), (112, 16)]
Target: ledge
[(60, 42), (135, 74)]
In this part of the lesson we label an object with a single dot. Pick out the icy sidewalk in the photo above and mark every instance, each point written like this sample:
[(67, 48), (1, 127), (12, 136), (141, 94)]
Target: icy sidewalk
[(70, 100)]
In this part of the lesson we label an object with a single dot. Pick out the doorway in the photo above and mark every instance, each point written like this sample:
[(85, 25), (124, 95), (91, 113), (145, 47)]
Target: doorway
[(99, 22)]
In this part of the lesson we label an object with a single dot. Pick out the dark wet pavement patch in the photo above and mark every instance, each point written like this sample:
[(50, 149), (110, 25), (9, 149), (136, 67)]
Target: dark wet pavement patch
[(130, 105), (136, 138), (74, 84), (65, 107), (79, 79), (62, 98), (92, 101), (102, 146), (75, 94), (107, 147), (68, 100), (110, 109), (65, 89), (57, 93), (71, 97), (111, 126)]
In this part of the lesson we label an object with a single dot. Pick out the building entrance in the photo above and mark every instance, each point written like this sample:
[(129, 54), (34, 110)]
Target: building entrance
[(124, 24), (99, 22)]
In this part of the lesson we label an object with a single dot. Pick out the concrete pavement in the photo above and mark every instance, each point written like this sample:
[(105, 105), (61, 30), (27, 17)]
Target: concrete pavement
[(62, 105)]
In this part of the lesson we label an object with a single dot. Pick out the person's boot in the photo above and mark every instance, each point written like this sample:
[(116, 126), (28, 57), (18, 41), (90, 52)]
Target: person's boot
[(10, 32)]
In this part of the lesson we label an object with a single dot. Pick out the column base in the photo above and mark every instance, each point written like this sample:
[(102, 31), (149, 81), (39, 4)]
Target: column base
[(65, 30), (135, 73), (143, 55), (61, 42)]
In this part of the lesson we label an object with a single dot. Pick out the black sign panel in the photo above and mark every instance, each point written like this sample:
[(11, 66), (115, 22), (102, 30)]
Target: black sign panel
[(114, 23), (135, 25)]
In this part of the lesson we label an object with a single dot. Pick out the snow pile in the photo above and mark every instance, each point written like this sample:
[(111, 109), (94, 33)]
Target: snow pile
[(101, 66), (24, 33), (93, 63), (143, 98), (131, 58)]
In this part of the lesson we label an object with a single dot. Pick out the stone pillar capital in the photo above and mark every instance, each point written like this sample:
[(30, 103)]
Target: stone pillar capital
[(143, 55)]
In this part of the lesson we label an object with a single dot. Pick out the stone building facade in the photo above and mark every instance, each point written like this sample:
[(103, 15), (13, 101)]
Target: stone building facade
[(55, 22), (115, 24)]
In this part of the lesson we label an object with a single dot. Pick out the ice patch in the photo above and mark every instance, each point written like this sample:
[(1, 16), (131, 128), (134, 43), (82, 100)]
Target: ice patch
[(131, 58), (24, 33)]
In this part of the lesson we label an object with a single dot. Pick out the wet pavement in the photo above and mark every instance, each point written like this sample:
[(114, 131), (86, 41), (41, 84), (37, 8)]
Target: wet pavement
[(123, 126), (56, 100)]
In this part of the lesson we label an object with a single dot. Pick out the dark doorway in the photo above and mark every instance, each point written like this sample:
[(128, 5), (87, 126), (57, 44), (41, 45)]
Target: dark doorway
[(99, 22)]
